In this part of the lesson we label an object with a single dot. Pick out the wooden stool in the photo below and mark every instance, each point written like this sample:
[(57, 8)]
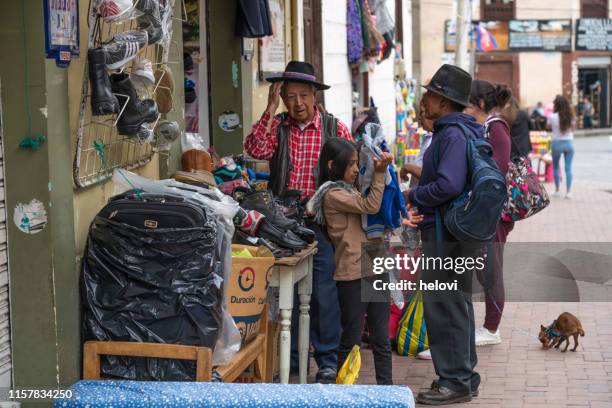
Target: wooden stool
[(255, 352)]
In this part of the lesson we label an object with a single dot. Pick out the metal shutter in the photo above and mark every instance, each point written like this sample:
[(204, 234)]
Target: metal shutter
[(5, 329)]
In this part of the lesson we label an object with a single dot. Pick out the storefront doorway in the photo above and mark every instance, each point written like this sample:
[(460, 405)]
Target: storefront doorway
[(594, 82), (195, 59), (313, 48)]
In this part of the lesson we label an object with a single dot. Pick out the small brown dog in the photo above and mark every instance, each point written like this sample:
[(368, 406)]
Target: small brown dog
[(560, 330)]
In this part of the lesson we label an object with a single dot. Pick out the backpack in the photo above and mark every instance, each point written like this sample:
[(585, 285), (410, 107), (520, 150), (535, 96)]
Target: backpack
[(526, 195), (473, 215)]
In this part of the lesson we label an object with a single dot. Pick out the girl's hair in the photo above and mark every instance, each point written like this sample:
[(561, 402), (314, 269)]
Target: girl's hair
[(510, 112), (492, 96), (562, 106), (339, 151)]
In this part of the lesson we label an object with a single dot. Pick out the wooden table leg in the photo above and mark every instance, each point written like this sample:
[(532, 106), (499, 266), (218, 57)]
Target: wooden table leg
[(285, 302), (304, 291)]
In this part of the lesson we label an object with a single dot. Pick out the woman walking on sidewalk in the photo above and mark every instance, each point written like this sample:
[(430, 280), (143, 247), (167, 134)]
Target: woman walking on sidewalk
[(486, 101), (562, 123)]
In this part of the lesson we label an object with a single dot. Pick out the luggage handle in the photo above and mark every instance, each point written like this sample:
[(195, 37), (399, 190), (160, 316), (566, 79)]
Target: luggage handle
[(148, 197)]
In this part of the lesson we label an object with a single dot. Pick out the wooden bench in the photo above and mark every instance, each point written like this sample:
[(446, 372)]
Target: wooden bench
[(254, 353)]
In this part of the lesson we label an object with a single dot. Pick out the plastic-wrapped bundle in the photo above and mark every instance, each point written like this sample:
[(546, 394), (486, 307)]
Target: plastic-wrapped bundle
[(161, 285), (219, 207)]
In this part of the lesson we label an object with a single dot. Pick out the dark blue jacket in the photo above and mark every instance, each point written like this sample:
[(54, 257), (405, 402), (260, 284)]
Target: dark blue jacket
[(437, 188)]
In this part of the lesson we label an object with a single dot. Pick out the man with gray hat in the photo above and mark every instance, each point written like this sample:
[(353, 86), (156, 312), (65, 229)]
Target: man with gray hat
[(449, 316)]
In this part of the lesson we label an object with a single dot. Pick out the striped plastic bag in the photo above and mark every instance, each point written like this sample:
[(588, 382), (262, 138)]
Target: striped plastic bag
[(412, 333), (349, 372)]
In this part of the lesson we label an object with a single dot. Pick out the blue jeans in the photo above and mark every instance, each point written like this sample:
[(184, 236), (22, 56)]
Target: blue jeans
[(565, 148), (325, 327)]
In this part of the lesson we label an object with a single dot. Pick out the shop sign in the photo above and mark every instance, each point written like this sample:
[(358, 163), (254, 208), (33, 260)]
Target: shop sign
[(273, 48), (61, 30), (540, 35), (593, 34), (486, 36), (515, 35)]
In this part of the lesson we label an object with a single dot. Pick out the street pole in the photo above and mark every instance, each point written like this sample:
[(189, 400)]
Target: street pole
[(462, 29)]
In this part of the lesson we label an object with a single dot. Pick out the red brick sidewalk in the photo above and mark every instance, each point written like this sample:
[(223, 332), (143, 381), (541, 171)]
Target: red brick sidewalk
[(517, 372)]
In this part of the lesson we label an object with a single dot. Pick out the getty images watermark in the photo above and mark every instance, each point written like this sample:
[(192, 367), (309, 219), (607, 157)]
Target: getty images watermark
[(402, 263)]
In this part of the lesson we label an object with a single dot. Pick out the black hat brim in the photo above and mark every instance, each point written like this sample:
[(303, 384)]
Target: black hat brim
[(450, 98), (318, 85)]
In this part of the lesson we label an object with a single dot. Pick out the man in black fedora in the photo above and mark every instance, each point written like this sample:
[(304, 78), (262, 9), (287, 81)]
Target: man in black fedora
[(291, 142), (450, 317)]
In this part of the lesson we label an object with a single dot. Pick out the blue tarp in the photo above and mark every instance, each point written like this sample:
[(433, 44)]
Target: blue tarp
[(130, 394)]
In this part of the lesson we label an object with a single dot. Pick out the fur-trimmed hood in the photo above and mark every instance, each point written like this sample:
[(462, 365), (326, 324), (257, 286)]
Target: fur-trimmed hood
[(315, 204)]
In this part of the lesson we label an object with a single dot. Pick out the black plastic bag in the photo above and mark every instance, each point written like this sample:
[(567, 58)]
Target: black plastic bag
[(151, 285)]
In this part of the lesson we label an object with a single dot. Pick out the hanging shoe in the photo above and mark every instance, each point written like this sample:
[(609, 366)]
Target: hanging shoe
[(150, 20), (103, 102), (124, 47), (166, 132), (165, 89), (136, 112), (145, 133), (114, 10), (144, 69)]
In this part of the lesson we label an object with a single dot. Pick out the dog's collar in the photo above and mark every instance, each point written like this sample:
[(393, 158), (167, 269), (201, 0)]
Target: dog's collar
[(551, 331)]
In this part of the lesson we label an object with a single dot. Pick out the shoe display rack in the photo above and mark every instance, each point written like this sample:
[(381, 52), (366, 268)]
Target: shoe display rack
[(100, 148)]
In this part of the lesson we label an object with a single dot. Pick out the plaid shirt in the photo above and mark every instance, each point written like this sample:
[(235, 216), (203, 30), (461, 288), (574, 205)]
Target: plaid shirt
[(304, 147)]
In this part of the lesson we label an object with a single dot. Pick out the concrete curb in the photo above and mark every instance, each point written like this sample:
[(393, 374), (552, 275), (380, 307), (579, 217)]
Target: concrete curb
[(593, 132)]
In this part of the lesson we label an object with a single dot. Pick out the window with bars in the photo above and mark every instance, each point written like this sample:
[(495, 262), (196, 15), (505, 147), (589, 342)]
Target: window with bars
[(497, 10), (594, 8)]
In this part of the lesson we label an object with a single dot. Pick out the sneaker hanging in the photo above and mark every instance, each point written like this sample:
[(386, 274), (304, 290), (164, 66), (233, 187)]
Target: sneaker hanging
[(150, 20), (145, 133), (144, 69), (114, 10), (124, 47)]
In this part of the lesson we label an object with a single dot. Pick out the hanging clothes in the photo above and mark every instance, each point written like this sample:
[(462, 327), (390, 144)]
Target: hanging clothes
[(393, 205), (253, 19), (354, 34), (375, 38), (384, 21)]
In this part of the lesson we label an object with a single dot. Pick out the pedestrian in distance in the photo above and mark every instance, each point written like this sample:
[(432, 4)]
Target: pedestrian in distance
[(562, 124), (520, 125), (587, 113), (538, 118)]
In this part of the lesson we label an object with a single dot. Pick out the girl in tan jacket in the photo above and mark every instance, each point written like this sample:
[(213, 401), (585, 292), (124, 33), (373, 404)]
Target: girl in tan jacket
[(338, 205)]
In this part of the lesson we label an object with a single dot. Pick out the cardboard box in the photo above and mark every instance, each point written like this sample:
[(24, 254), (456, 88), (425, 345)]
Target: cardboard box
[(258, 166), (248, 289)]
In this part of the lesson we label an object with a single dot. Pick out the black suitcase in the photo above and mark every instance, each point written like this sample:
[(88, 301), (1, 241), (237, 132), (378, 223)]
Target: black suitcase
[(143, 210), (151, 273)]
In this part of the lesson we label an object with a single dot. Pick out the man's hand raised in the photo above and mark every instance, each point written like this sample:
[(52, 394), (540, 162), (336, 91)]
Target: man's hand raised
[(274, 97)]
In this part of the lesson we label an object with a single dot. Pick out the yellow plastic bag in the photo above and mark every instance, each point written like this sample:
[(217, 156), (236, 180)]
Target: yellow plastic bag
[(349, 373), (412, 332), (243, 253)]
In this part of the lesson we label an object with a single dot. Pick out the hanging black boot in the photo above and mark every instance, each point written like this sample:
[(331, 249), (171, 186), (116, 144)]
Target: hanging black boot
[(136, 112), (103, 102)]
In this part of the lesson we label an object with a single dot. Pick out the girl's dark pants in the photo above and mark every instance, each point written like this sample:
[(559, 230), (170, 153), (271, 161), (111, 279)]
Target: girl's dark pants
[(352, 311)]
